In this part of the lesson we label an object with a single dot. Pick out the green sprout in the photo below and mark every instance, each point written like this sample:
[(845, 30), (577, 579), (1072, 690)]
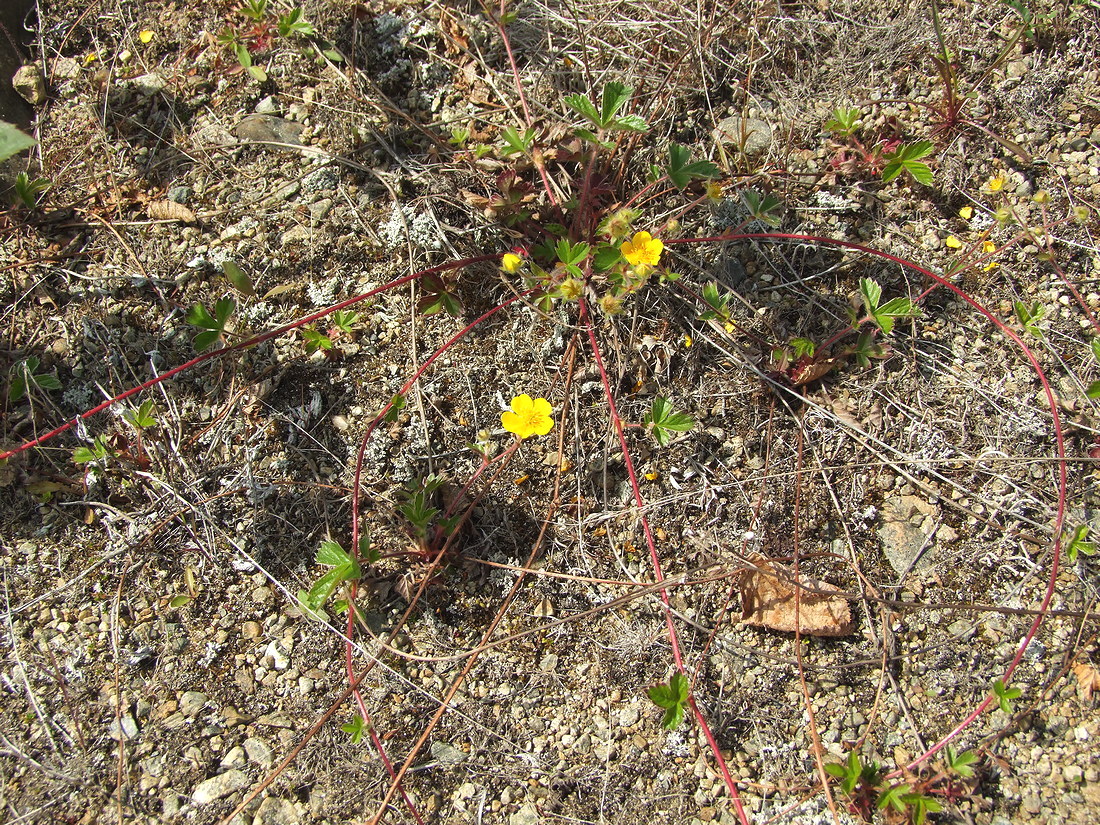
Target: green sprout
[(664, 421), (25, 376), (673, 698)]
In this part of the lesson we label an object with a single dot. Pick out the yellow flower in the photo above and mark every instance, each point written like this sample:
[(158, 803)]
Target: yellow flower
[(643, 249), (952, 242), (511, 262), (988, 246), (966, 213), (145, 35), (528, 416), (90, 58), (688, 341), (996, 183)]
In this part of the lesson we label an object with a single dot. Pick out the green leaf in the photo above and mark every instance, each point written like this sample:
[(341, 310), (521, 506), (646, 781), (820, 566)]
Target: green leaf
[(681, 171), (333, 55), (142, 417), (1030, 316), (97, 452), (1093, 390), (892, 798), (606, 257), (673, 698), (1094, 345), (179, 601), (663, 419), (1079, 543), (258, 73), (845, 121), (871, 293), (1005, 695), (764, 208), (397, 404), (803, 347), (331, 554), (584, 107), (13, 141), (236, 276), (960, 762), (515, 143), (629, 123), (356, 727), (894, 308), (673, 717), (615, 95), (906, 158)]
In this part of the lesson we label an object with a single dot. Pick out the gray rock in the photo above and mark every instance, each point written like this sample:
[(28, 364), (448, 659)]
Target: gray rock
[(274, 811), (30, 84), (267, 106), (191, 703), (447, 754), (527, 815), (259, 752), (216, 787), (269, 129), (236, 758), (148, 84), (746, 134), (906, 528)]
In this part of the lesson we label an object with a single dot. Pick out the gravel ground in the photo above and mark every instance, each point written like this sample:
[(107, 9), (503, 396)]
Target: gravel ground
[(156, 664)]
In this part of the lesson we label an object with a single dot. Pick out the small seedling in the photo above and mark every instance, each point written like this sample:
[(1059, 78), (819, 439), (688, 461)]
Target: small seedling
[(763, 208), (292, 23), (673, 698), (141, 418), (719, 303), (1079, 544), (681, 170), (960, 763), (607, 117), (1030, 316), (884, 315), (213, 324), (1006, 695), (344, 569), (99, 451), (356, 727), (28, 190), (25, 376), (254, 9), (845, 121), (903, 800), (664, 421)]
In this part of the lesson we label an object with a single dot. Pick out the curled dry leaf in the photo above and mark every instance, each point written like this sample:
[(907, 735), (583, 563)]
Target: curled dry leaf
[(170, 211), (1088, 679), (768, 599)]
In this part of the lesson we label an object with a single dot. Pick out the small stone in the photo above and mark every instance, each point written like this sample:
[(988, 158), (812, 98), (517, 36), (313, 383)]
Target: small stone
[(234, 717), (295, 235), (235, 758), (179, 194), (30, 84), (269, 129), (549, 663), (1032, 804), (216, 787), (319, 211), (259, 751), (148, 84), (267, 106), (65, 68), (746, 134), (278, 656), (1073, 774), (274, 811), (527, 815), (628, 715), (129, 728), (251, 630), (191, 703), (447, 754)]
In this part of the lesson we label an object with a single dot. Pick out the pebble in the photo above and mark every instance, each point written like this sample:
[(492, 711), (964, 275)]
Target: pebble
[(216, 787), (191, 703), (30, 84), (259, 752), (235, 758), (526, 815), (259, 128), (275, 811), (251, 630)]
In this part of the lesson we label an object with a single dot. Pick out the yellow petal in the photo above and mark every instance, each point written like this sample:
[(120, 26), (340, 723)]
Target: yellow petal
[(145, 35), (966, 213), (952, 242), (988, 246)]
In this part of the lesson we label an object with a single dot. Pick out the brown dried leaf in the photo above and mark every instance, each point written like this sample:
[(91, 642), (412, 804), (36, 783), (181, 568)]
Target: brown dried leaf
[(768, 600), (170, 211), (1088, 679)]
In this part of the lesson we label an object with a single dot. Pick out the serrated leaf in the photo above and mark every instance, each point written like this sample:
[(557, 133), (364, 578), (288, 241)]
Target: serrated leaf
[(583, 106), (673, 717), (615, 95), (629, 123), (199, 316), (661, 696), (356, 727), (872, 294), (606, 257)]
